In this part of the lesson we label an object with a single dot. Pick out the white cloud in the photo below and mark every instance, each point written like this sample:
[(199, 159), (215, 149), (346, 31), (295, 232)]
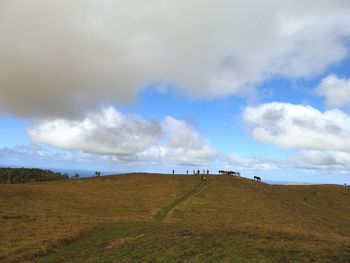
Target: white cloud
[(301, 127), (104, 132), (336, 90), (126, 138), (250, 163), (324, 160), (185, 145), (33, 155), (66, 57)]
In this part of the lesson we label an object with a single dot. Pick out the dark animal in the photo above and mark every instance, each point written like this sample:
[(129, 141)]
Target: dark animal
[(257, 178), (228, 172)]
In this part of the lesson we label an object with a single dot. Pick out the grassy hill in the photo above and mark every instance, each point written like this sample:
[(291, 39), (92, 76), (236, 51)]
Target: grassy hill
[(173, 218)]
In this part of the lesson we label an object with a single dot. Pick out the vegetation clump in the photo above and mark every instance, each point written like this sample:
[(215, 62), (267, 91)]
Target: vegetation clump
[(26, 175)]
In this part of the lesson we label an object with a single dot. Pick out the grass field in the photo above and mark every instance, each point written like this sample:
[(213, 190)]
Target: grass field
[(173, 218)]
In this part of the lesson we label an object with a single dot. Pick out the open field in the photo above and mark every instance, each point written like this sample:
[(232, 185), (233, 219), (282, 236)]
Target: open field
[(173, 218)]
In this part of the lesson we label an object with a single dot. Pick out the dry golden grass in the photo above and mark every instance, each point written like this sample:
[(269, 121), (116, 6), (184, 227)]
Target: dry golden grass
[(237, 203), (35, 217)]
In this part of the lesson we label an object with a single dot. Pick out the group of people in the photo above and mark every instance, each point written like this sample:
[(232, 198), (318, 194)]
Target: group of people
[(196, 172)]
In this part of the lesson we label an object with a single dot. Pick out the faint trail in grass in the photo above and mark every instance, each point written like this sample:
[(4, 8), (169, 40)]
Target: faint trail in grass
[(163, 213)]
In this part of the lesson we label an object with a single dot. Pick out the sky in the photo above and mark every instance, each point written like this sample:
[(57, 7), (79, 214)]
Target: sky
[(260, 87)]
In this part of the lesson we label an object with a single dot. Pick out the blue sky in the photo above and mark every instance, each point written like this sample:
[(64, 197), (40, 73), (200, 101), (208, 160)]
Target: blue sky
[(141, 90)]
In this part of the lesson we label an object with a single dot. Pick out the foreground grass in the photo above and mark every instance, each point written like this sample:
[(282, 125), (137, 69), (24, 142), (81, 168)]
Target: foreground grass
[(166, 218), (164, 212), (172, 243), (36, 217)]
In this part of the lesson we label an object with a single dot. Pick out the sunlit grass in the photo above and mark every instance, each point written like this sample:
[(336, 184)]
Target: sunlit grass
[(164, 218)]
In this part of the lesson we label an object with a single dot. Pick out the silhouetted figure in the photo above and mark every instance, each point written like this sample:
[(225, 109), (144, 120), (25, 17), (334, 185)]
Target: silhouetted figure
[(194, 171), (198, 172), (186, 171), (173, 171), (207, 171)]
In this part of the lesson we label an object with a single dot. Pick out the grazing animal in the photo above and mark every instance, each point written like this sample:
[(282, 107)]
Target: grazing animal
[(229, 173), (257, 178)]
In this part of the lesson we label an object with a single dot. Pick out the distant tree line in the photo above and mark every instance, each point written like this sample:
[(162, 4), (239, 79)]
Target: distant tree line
[(26, 175)]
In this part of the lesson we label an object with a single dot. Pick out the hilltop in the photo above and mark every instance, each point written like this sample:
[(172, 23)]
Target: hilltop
[(167, 218)]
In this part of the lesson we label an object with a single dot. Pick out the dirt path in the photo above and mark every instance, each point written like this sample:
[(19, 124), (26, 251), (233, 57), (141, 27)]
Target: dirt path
[(163, 212)]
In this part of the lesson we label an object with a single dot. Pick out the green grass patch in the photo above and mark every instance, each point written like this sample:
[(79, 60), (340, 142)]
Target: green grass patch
[(170, 243)]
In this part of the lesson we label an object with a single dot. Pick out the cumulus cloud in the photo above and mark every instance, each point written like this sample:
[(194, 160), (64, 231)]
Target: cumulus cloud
[(104, 132), (336, 90), (301, 127), (66, 57), (324, 160), (185, 145), (126, 138)]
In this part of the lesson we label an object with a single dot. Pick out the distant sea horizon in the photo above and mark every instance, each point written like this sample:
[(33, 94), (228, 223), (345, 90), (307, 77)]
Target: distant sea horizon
[(70, 171)]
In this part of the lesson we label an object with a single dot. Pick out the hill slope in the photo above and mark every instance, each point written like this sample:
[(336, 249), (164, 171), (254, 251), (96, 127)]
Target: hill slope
[(164, 218)]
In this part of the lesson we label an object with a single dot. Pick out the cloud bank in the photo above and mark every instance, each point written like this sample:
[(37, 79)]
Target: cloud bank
[(295, 126), (64, 58), (126, 138)]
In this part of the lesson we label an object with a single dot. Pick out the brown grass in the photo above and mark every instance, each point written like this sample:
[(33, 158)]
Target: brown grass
[(237, 203), (38, 216)]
